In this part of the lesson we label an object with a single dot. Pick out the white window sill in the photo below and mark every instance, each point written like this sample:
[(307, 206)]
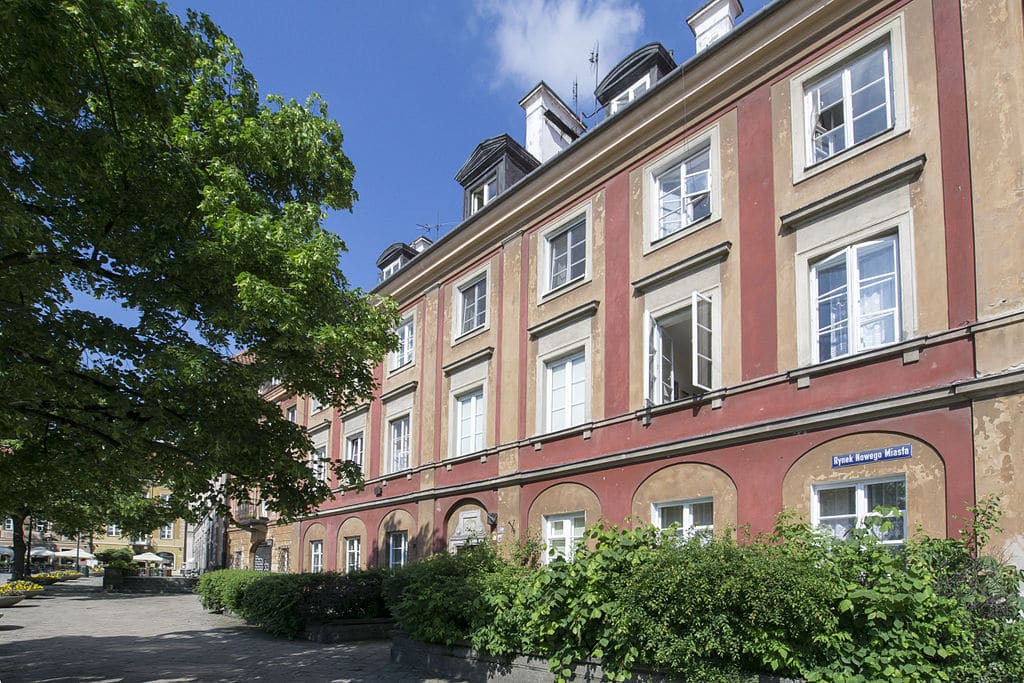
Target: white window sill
[(552, 294), (654, 244), (476, 331)]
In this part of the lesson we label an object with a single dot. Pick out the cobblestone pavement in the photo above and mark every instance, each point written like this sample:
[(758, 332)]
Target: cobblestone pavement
[(76, 632)]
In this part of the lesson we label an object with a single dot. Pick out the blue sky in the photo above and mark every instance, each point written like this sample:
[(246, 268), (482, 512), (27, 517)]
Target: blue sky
[(416, 85)]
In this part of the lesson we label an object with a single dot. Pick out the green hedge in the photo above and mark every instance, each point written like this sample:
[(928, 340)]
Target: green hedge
[(282, 604), (797, 603)]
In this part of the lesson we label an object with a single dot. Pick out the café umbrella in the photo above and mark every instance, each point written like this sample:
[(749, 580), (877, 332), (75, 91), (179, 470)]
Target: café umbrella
[(72, 554), (150, 557)]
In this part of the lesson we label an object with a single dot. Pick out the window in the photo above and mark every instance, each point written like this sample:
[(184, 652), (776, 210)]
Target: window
[(236, 559), (484, 194), (8, 524), (398, 549), (850, 100), (290, 413), (316, 550), (318, 464), (567, 254), (841, 507), (562, 535), (354, 447), (400, 447), (390, 269), (166, 532), (165, 497), (850, 104), (856, 298), (352, 544), (683, 193), (680, 351), (692, 517), (264, 509), (469, 422), (40, 526), (286, 558), (634, 91), (406, 340), (113, 530), (316, 405), (566, 392), (473, 308)]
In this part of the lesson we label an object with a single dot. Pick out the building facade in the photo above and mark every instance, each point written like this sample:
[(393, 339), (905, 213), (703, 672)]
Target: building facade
[(786, 274)]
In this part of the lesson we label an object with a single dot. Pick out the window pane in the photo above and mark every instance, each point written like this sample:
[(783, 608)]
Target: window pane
[(670, 201), (838, 501), (672, 514), (703, 514)]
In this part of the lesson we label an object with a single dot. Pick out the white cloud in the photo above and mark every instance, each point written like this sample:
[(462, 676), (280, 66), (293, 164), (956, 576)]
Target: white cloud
[(551, 40)]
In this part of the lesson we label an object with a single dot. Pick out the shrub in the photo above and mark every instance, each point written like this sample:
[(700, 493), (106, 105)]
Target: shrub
[(223, 589), (111, 555), (438, 600), (271, 601), (356, 595)]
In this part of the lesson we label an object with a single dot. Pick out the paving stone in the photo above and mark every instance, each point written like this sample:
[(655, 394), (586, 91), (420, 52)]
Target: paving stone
[(76, 632)]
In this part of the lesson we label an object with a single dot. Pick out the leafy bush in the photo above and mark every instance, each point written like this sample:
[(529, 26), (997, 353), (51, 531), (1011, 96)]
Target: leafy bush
[(111, 555), (796, 602), (356, 595), (223, 589), (438, 599), (282, 604)]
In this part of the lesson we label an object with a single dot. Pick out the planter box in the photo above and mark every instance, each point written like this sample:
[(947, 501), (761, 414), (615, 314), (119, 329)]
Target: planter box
[(466, 664), (10, 600), (348, 630)]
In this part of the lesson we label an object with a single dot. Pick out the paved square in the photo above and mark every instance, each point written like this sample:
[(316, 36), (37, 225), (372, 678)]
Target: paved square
[(76, 632)]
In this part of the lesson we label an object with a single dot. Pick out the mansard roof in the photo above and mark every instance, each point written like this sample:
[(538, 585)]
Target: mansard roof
[(488, 153), (631, 69)]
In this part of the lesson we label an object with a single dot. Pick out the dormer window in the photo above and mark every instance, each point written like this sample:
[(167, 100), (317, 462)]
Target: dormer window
[(633, 92), (390, 269), (483, 194)]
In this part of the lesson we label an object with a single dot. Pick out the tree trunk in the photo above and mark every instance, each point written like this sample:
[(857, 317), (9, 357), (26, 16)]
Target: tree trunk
[(19, 567)]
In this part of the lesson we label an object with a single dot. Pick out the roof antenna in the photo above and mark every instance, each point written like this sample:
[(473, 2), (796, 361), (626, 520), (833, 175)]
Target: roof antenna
[(433, 230), (595, 62), (576, 97)]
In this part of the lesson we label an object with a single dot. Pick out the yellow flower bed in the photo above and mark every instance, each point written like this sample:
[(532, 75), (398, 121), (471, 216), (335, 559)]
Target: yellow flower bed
[(19, 587)]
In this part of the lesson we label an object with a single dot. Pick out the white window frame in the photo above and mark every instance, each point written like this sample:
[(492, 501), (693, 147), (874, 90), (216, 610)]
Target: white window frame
[(676, 158), (355, 449), (572, 540), (891, 33), (405, 355), (576, 362), (469, 321), (113, 530), (390, 269), (353, 553), (687, 528), (852, 287), (316, 557), (399, 443), (8, 524), (546, 252), (705, 340), (286, 560), (860, 501), (291, 413), (167, 532), (475, 401), (315, 406), (634, 91), (318, 464), (483, 194), (398, 553)]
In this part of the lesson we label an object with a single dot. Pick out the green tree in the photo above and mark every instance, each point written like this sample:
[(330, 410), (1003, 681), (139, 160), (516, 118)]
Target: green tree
[(155, 217)]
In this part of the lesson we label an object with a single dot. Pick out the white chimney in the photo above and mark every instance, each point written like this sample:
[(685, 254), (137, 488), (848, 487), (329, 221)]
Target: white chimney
[(550, 124), (711, 22)]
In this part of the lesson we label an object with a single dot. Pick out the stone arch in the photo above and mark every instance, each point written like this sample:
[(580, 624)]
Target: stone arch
[(396, 521), (688, 481), (563, 498), (924, 470), (462, 526), (314, 532), (353, 527)]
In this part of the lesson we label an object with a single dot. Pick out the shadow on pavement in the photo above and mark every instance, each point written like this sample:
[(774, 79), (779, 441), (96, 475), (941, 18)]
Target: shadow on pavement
[(231, 654)]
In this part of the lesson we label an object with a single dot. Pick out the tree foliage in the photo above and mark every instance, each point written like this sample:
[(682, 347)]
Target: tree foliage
[(155, 217)]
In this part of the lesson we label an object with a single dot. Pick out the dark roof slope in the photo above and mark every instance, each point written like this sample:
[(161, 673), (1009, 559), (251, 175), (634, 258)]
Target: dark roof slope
[(631, 69), (393, 251), (488, 152)]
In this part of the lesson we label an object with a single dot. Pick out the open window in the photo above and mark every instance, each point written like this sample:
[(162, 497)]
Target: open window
[(681, 351)]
